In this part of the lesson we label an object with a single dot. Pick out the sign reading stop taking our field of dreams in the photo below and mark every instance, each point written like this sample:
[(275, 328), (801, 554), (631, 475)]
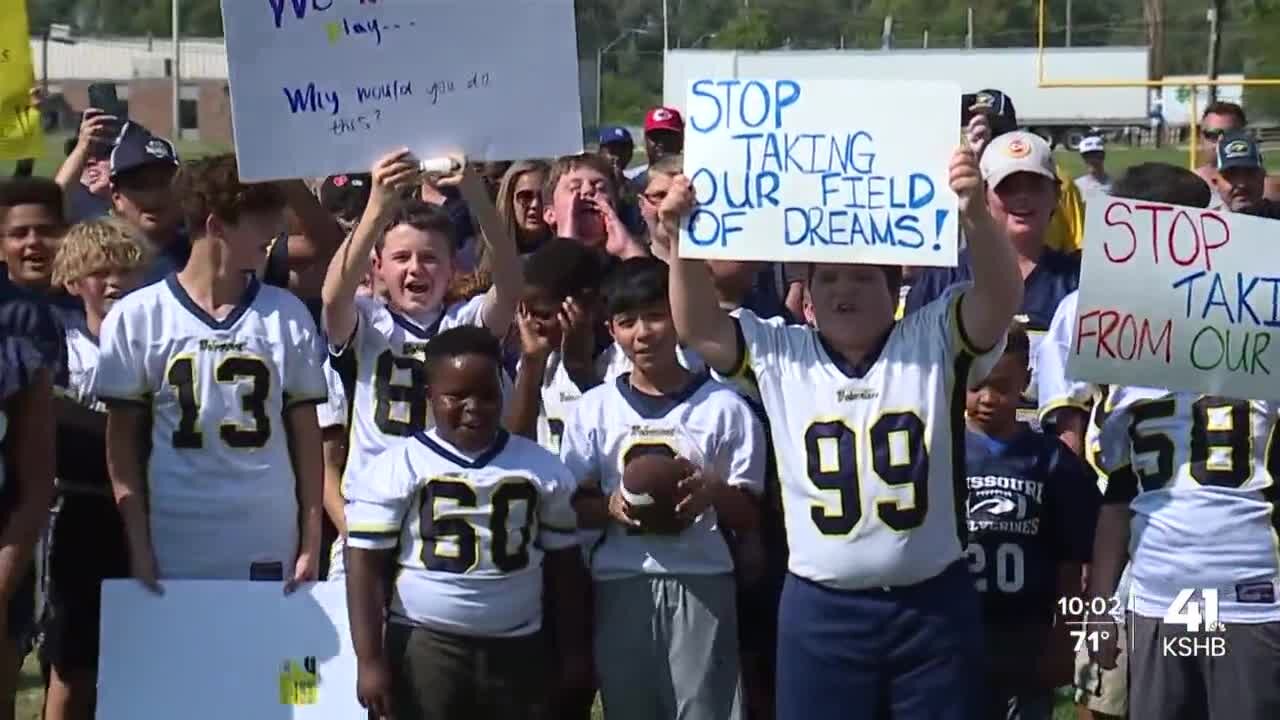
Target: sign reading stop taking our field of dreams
[(821, 170), (322, 87), (1179, 298)]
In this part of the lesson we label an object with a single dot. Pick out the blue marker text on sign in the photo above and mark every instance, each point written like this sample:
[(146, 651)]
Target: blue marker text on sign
[(788, 169)]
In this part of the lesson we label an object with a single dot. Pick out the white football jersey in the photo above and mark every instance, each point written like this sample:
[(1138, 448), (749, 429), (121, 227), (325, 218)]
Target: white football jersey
[(560, 392), (82, 364), (85, 476), (333, 411), (870, 458), (471, 530), (1204, 495), (707, 423), (1057, 390), (220, 480), (385, 358)]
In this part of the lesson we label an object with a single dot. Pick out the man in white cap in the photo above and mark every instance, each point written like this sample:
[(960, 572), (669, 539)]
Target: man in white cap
[(1094, 153)]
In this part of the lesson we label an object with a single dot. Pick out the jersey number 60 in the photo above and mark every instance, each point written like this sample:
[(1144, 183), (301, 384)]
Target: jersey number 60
[(907, 467)]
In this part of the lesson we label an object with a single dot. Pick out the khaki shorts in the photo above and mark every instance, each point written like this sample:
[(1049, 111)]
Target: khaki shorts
[(1104, 691)]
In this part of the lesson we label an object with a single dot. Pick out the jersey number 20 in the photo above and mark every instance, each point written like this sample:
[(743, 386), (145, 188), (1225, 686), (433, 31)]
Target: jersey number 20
[(908, 468), (231, 369), (467, 554)]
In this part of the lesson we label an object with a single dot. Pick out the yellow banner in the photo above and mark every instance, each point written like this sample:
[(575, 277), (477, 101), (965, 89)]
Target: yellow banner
[(20, 135)]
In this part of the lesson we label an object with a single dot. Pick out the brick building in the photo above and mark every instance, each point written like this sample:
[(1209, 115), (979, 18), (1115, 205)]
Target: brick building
[(141, 69)]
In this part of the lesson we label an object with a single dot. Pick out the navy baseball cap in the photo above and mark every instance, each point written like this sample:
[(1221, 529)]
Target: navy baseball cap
[(1004, 118), (137, 148), (615, 134), (1237, 150)]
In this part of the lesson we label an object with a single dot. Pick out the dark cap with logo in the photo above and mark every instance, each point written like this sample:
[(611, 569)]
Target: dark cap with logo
[(1236, 149), (137, 148)]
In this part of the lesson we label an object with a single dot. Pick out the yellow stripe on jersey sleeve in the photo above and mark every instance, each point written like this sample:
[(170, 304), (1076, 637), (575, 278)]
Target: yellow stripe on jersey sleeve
[(958, 336)]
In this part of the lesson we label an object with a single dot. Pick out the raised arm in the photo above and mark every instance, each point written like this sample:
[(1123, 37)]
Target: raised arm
[(96, 128), (700, 321), (500, 248), (350, 264), (996, 295)]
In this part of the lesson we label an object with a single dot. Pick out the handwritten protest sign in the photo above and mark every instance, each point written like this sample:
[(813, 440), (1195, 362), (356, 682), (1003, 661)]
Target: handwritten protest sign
[(210, 650), (20, 134), (321, 87), (821, 170), (1179, 298)]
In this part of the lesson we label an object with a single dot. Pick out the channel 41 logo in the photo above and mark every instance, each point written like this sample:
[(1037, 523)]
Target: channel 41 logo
[(1195, 616)]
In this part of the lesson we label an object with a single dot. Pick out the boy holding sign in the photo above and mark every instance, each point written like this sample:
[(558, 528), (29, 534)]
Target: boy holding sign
[(878, 611)]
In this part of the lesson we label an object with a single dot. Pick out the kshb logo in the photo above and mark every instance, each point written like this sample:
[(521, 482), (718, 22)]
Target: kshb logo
[(1196, 616), (1188, 612)]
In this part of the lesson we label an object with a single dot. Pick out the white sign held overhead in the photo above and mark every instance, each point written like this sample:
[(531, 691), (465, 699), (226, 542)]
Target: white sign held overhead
[(322, 87), (211, 650), (821, 170), (1185, 298)]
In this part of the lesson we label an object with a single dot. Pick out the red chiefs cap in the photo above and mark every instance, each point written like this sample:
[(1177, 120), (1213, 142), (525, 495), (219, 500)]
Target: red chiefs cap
[(664, 118)]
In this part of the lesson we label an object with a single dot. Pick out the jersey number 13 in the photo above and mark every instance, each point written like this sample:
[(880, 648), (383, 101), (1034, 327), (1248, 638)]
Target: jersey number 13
[(182, 377)]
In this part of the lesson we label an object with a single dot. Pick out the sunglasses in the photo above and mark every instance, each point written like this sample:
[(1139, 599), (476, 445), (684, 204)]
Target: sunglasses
[(1213, 134)]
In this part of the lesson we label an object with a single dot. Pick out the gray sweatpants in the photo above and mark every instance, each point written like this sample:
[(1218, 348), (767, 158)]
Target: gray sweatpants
[(1177, 675), (666, 646)]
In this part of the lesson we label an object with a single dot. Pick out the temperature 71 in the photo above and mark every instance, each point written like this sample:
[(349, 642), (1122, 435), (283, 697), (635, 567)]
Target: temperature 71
[(1089, 638)]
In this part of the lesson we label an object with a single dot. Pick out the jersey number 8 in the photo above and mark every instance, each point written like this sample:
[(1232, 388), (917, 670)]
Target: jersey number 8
[(466, 556), (1217, 424), (908, 468), (230, 370), (388, 394)]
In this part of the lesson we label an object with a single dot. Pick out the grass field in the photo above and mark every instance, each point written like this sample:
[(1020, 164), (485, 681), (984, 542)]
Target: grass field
[(30, 698)]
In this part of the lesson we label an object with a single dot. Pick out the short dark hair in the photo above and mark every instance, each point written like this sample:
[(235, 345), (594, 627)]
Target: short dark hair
[(212, 186), (1019, 343), (635, 283), (32, 191), (423, 216), (892, 277), (459, 341), (564, 268), (1162, 182), (1222, 107)]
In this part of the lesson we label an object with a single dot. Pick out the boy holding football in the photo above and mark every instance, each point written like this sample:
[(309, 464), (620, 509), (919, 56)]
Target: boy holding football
[(221, 374), (666, 638), (476, 513), (878, 614)]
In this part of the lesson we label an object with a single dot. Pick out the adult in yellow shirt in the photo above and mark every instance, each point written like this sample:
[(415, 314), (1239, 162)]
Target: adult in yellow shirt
[(1066, 229)]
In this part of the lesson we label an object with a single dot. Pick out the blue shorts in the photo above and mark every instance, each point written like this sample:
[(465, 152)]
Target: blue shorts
[(906, 653)]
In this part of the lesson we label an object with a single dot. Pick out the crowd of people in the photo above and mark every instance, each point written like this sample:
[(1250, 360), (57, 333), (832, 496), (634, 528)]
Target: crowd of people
[(430, 386)]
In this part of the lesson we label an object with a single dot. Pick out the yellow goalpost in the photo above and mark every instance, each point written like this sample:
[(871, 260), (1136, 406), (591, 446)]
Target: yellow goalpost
[(1195, 86)]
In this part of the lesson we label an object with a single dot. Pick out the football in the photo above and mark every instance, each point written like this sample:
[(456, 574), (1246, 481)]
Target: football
[(651, 486)]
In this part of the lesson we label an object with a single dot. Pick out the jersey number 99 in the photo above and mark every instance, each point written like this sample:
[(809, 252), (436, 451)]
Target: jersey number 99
[(907, 468), (232, 369), (466, 554)]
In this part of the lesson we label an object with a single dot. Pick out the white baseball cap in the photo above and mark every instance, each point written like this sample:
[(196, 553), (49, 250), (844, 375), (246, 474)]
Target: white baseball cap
[(1092, 144), (1015, 152)]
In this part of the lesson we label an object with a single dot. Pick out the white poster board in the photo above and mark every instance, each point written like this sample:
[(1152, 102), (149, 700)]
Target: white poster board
[(212, 650), (821, 170), (1179, 298), (322, 87)]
